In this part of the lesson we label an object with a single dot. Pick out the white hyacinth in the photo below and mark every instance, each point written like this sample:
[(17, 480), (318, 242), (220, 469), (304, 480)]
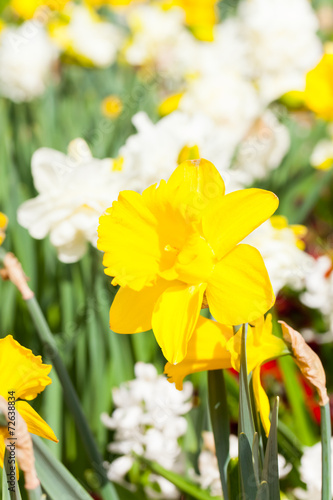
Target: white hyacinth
[(27, 56), (148, 420), (73, 192)]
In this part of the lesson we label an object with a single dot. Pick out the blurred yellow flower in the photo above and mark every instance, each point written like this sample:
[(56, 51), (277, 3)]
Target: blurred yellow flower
[(179, 242), (200, 16), (214, 346), (280, 222), (3, 226), (318, 93), (27, 8), (112, 106), (22, 377), (170, 104)]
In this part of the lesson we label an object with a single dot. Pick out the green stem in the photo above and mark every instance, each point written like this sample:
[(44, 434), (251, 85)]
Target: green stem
[(326, 452), (220, 423), (70, 394), (35, 494)]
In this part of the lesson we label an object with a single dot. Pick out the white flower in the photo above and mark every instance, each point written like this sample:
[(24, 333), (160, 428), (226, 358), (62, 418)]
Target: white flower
[(280, 247), (148, 420), (153, 152), (282, 41), (74, 191), (26, 58), (310, 471), (87, 37), (262, 150), (227, 98), (319, 288), (322, 155), (159, 40)]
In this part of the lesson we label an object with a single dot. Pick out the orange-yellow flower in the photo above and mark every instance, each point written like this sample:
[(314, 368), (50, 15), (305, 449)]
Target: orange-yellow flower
[(214, 346), (3, 226), (22, 376), (179, 242)]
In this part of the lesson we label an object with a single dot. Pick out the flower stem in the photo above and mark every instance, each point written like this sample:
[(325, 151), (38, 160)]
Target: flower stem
[(220, 422), (326, 452)]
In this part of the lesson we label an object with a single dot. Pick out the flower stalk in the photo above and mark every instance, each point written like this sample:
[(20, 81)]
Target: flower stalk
[(326, 431)]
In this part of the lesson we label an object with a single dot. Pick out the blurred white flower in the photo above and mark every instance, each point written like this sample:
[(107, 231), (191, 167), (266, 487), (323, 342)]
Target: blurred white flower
[(148, 420), (322, 155), (27, 55), (160, 41), (319, 288), (86, 37), (154, 151), (282, 250), (74, 191), (262, 150), (310, 471), (282, 41)]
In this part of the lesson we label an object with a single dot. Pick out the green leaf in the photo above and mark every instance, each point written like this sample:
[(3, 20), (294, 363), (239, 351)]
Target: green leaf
[(270, 472), (263, 491), (233, 478), (326, 451), (6, 477), (56, 480), (218, 409), (255, 457), (245, 410), (248, 478), (182, 484)]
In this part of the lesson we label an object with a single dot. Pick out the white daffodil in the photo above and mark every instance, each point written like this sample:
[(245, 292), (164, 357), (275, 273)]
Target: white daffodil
[(148, 420), (283, 252), (262, 150), (86, 37), (319, 288), (282, 42), (27, 56), (73, 191), (322, 155)]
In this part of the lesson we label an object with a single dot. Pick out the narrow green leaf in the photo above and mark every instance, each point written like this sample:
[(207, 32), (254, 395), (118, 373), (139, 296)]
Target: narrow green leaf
[(270, 472), (255, 458), (325, 414), (233, 478), (182, 484), (56, 480), (35, 494), (5, 491), (218, 409), (263, 492), (248, 479), (9, 476), (245, 410)]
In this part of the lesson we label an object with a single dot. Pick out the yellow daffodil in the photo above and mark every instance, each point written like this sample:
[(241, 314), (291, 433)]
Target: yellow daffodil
[(3, 226), (200, 16), (214, 346), (177, 244), (318, 94), (112, 106), (26, 9), (22, 377)]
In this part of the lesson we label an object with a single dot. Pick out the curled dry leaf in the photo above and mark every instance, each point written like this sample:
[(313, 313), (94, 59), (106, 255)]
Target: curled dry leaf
[(307, 360), (23, 448), (13, 271)]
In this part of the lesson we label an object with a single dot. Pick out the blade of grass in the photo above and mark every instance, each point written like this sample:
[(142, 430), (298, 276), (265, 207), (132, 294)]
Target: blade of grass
[(326, 493)]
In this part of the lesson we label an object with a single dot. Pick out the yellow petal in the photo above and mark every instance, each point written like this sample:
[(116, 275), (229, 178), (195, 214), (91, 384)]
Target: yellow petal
[(261, 345), (261, 399), (231, 218), (129, 237), (2, 447), (193, 185), (239, 290), (35, 423), (131, 311), (206, 350), (174, 319), (21, 371)]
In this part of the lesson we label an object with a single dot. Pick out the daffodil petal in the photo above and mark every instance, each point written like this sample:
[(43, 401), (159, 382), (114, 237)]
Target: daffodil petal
[(131, 311), (206, 350), (231, 218), (193, 185), (128, 235), (174, 318), (35, 423), (2, 448), (261, 399), (21, 371), (239, 290)]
